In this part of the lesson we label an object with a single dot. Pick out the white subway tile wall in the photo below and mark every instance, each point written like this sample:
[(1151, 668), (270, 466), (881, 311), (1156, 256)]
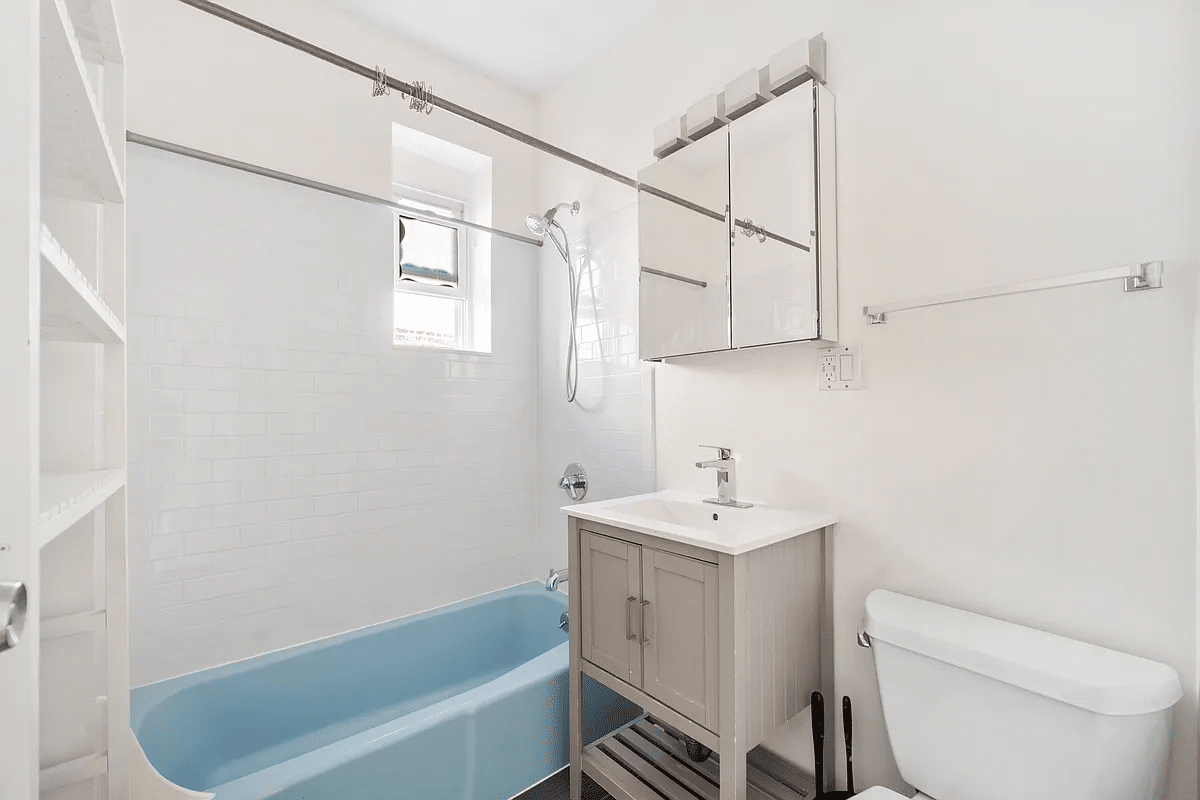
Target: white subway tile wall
[(609, 428), (292, 474)]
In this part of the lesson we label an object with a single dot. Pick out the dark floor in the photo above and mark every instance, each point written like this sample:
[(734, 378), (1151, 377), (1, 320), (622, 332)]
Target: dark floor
[(558, 787)]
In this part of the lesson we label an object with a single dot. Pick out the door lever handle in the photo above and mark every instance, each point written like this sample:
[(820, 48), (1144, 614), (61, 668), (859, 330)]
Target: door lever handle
[(13, 603)]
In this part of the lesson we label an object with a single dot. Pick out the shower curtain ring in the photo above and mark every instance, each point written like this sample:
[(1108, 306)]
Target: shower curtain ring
[(381, 88), (422, 97)]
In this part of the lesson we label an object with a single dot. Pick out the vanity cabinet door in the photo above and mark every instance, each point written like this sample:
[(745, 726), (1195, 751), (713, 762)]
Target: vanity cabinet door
[(611, 593), (680, 637)]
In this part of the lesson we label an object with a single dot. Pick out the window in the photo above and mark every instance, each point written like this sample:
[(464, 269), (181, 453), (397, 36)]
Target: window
[(442, 271), (432, 273)]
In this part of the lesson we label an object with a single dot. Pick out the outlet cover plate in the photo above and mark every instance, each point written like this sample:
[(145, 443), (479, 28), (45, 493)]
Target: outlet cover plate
[(841, 368)]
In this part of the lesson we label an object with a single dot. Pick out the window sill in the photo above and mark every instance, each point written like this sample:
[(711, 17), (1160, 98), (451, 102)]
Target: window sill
[(420, 348)]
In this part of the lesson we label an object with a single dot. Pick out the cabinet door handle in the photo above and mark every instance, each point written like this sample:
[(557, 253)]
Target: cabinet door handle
[(647, 622), (629, 634)]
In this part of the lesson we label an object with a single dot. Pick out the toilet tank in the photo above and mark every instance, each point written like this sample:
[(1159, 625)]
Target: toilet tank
[(981, 709)]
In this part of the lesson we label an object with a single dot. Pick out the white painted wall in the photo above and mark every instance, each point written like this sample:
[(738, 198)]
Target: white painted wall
[(608, 428), (202, 82), (1031, 457), (294, 476)]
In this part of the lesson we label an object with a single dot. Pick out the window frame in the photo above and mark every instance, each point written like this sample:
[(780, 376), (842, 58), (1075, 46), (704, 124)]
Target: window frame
[(456, 210)]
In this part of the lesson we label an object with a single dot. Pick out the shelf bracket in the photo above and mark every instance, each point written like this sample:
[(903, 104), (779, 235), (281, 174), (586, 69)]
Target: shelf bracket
[(1149, 277)]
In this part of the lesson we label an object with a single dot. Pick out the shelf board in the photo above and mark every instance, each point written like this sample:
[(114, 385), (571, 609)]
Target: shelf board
[(72, 772), (67, 498), (73, 624), (648, 761), (96, 28), (72, 310), (77, 159)]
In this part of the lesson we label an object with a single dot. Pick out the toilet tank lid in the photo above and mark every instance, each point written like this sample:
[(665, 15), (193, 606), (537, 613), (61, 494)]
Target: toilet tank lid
[(1084, 675)]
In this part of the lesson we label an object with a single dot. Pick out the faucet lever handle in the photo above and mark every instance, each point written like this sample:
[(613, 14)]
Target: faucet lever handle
[(722, 452)]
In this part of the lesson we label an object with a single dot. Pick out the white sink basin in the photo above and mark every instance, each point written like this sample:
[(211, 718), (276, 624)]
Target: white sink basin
[(684, 517)]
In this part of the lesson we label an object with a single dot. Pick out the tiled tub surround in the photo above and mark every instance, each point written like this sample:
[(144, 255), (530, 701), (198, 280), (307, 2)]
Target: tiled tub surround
[(464, 702), (609, 427), (292, 474)]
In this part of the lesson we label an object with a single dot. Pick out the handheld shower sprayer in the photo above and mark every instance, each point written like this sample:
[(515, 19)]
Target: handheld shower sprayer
[(545, 225)]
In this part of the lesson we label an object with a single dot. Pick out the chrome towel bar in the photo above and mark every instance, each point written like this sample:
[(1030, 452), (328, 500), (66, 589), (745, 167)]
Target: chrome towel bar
[(1136, 277)]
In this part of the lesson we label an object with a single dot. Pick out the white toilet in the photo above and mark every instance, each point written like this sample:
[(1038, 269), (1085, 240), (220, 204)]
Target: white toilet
[(980, 709)]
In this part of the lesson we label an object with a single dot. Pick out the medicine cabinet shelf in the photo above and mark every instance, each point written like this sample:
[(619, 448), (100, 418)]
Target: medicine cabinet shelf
[(77, 158), (72, 310), (67, 498)]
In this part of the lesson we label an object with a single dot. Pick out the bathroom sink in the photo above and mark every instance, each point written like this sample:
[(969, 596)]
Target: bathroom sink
[(684, 517)]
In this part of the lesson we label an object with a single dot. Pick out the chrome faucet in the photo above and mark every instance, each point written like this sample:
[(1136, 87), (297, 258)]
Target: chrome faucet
[(726, 478), (556, 577)]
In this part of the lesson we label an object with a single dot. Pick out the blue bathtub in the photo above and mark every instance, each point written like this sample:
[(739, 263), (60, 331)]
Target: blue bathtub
[(466, 702)]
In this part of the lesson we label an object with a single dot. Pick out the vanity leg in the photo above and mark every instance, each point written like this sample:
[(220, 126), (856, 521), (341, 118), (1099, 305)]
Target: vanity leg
[(731, 577), (833, 709), (733, 771), (575, 668)]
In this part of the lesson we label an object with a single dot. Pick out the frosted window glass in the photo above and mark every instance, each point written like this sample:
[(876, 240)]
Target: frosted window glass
[(429, 253), (426, 320)]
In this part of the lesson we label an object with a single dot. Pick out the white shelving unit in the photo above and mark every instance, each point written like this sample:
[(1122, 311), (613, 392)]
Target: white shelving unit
[(63, 408)]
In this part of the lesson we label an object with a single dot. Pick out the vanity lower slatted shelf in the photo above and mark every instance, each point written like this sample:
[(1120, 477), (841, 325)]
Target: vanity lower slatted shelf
[(647, 760)]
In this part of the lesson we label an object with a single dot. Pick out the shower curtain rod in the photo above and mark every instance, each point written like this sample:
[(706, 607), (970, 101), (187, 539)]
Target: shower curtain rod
[(266, 172), (367, 72), (374, 75)]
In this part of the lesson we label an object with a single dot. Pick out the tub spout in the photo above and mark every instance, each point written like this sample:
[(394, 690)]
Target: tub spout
[(557, 576)]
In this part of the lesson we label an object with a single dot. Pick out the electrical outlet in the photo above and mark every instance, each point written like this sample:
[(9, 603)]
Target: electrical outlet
[(841, 368)]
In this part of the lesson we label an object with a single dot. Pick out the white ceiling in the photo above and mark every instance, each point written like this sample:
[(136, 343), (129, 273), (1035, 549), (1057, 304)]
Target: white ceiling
[(530, 44)]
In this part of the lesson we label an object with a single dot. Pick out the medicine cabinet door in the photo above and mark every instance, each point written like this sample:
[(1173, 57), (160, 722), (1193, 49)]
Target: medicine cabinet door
[(774, 202), (683, 251)]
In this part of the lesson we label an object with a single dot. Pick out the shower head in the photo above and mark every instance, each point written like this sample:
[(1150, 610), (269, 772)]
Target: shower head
[(540, 226)]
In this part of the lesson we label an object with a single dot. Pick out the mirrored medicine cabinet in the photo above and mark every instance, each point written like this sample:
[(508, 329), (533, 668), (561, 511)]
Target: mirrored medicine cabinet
[(737, 234)]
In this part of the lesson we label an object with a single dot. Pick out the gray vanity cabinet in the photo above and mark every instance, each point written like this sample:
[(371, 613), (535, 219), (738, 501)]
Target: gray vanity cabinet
[(723, 647)]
